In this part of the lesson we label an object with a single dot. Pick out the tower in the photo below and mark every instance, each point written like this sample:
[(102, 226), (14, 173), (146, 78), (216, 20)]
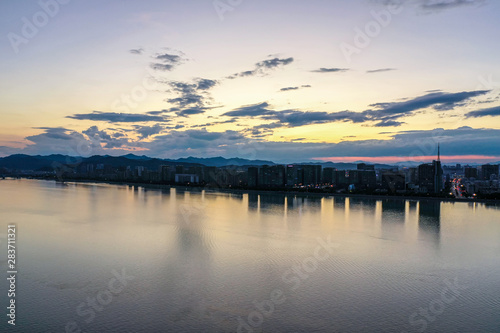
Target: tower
[(438, 173)]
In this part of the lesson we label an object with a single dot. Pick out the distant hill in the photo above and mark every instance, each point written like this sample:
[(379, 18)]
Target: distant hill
[(221, 161), (45, 163), (135, 157), (24, 162), (346, 166)]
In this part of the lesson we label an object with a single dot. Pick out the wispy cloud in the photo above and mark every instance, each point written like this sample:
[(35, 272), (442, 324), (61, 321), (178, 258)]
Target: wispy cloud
[(193, 97), (114, 117), (295, 88), (492, 112), (380, 70), (429, 6), (384, 114), (147, 131), (330, 70), (136, 51), (438, 5), (263, 67), (166, 61)]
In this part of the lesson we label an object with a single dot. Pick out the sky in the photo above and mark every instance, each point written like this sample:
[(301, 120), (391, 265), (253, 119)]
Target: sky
[(284, 80)]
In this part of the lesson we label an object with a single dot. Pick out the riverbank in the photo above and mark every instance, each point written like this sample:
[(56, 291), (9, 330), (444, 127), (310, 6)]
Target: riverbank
[(280, 192)]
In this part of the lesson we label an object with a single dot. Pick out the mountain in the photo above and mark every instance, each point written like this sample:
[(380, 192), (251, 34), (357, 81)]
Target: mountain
[(27, 162), (135, 157), (47, 163), (346, 166), (221, 161)]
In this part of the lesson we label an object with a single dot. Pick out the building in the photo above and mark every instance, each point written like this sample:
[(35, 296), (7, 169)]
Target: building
[(430, 176), (341, 179), (312, 174), (488, 170), (179, 169), (364, 166), (363, 179), (186, 178), (329, 176), (470, 172), (294, 175), (272, 176), (253, 176), (393, 181), (210, 175), (165, 173)]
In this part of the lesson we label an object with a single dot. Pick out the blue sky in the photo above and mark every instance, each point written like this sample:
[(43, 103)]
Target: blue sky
[(288, 81)]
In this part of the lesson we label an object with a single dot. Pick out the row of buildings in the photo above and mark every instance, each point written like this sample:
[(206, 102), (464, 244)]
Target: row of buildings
[(429, 178), (426, 178)]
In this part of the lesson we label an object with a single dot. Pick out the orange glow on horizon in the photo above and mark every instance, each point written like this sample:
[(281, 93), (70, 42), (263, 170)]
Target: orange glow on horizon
[(422, 159)]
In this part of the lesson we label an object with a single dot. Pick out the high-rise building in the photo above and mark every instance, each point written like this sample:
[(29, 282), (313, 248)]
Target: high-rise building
[(341, 179), (364, 166), (273, 175), (294, 175), (412, 175), (312, 174), (393, 180), (430, 176), (165, 173), (329, 176), (210, 175), (253, 176), (179, 169), (470, 172), (362, 178), (487, 170)]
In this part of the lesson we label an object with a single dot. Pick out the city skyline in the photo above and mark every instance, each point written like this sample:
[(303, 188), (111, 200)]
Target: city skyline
[(375, 81)]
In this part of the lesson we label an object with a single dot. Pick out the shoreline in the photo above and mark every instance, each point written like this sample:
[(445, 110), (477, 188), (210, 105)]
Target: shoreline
[(280, 192)]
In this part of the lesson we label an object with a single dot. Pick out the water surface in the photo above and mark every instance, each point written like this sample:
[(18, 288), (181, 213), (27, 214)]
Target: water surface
[(201, 261)]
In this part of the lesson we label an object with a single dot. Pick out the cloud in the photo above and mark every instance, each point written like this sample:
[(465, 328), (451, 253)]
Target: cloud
[(434, 6), (114, 117), (389, 123), (385, 114), (201, 142), (438, 5), (295, 88), (294, 118), (58, 140), (136, 51), (460, 141), (440, 101), (254, 110), (289, 88), (193, 97), (146, 131), (191, 111), (263, 67), (205, 84), (330, 70), (166, 61), (273, 63), (290, 118), (405, 144), (492, 112), (380, 70), (102, 138)]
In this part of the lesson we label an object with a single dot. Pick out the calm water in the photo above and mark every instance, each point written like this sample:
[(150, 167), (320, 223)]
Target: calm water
[(193, 261)]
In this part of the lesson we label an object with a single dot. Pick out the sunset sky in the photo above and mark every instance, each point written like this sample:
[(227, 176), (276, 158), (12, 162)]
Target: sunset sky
[(281, 80)]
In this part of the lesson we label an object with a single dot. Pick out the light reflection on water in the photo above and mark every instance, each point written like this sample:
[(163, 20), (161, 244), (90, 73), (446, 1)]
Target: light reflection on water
[(200, 259)]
